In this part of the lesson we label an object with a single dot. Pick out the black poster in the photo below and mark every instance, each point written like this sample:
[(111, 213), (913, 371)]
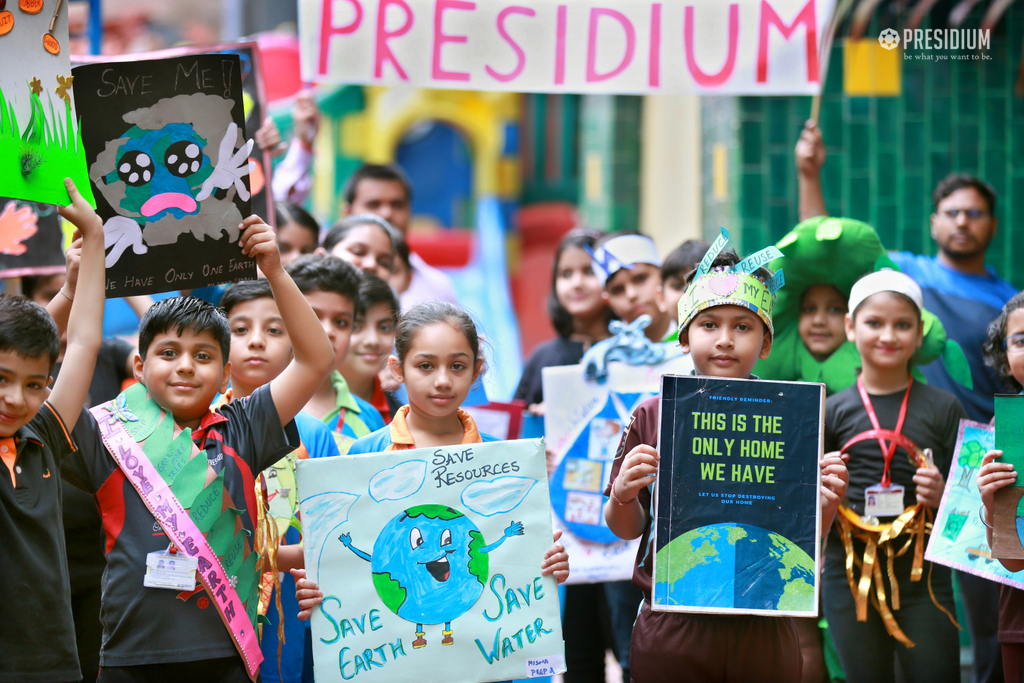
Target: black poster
[(737, 509), (31, 241), (165, 147)]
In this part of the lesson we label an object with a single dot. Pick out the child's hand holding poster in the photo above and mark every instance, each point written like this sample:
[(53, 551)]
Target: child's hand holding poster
[(429, 561), (737, 512), (1008, 512), (168, 160)]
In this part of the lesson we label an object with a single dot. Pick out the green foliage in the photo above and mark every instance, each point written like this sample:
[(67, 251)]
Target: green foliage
[(479, 565), (391, 592)]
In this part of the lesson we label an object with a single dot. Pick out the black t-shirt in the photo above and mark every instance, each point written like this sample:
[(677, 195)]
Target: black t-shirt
[(933, 419), (560, 351)]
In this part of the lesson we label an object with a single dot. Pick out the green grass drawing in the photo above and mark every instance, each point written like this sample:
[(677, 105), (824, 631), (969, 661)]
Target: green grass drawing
[(35, 160)]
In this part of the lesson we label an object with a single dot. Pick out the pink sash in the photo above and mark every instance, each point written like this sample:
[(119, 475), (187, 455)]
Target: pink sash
[(182, 531)]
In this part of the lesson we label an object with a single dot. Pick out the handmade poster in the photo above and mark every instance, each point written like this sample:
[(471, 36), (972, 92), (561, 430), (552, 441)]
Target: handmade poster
[(1008, 509), (502, 420), (40, 141), (429, 563), (737, 510), (583, 424), (31, 240), (747, 47), (169, 162), (958, 537)]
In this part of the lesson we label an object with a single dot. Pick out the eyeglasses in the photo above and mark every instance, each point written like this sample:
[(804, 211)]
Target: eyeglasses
[(972, 214), (1014, 343)]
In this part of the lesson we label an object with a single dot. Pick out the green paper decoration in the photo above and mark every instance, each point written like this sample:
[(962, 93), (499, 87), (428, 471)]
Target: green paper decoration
[(142, 407), (190, 480), (956, 364), (223, 530), (232, 559), (206, 507)]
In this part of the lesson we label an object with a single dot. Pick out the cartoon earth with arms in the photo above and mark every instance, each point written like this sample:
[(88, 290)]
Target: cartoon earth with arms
[(430, 565)]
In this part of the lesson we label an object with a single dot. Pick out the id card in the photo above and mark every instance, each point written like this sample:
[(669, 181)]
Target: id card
[(883, 501), (172, 571)]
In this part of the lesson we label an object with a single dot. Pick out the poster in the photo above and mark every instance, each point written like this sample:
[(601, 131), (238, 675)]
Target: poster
[(737, 509), (40, 144), (429, 561), (31, 240), (958, 537), (168, 161), (1008, 509), (583, 423), (747, 47)]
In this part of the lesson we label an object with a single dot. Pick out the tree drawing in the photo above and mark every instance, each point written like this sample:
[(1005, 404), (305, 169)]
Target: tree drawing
[(969, 459)]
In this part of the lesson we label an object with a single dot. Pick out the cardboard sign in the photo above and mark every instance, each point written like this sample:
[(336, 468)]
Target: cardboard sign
[(749, 47), (583, 425), (31, 239), (737, 509), (1008, 510), (958, 537), (429, 561), (166, 148)]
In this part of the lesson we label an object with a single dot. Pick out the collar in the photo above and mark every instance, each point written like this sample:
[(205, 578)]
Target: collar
[(401, 437), (379, 400), (344, 398), (211, 418)]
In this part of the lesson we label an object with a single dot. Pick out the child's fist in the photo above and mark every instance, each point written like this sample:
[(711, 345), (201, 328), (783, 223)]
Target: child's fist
[(307, 592), (638, 470), (993, 476), (930, 485), (258, 239), (80, 214)]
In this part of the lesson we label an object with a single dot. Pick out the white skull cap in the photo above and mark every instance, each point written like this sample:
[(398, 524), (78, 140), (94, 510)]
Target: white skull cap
[(886, 280)]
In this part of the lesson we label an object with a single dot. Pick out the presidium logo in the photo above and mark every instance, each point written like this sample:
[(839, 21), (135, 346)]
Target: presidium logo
[(938, 39), (889, 39)]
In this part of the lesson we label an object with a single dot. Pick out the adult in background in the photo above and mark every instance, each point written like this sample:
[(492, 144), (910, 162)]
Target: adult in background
[(966, 295)]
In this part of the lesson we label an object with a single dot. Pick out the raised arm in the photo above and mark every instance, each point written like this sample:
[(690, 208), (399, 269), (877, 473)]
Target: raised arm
[(313, 354), (85, 322), (59, 307), (810, 157)]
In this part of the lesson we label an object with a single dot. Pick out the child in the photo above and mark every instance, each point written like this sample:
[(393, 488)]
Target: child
[(260, 351), (373, 337), (182, 364), (401, 268), (630, 268), (298, 233), (679, 263), (1004, 351), (366, 241), (885, 324), (37, 636), (331, 286), (438, 358), (724, 336)]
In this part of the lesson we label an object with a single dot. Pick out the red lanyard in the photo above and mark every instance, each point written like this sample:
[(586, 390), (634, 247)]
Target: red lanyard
[(890, 450)]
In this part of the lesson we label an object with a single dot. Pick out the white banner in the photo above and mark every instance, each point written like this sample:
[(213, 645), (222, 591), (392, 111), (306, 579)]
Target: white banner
[(751, 47)]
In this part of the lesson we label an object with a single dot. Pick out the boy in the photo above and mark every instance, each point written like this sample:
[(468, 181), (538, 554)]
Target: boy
[(724, 335), (679, 263), (37, 637), (260, 351), (373, 338), (331, 286), (630, 268), (209, 512)]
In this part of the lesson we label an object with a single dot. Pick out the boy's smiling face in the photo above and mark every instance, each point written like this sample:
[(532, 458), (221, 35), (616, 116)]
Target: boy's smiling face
[(260, 346), (725, 341), (184, 373), (22, 389)]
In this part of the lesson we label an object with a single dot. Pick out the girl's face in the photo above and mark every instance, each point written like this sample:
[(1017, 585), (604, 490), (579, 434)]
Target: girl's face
[(822, 325), (1015, 347), (373, 337), (887, 331), (367, 247), (294, 240), (438, 370), (577, 288)]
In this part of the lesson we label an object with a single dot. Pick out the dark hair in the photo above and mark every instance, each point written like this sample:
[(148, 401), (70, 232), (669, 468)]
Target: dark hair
[(958, 181), (995, 352), (375, 172), (681, 261), (286, 212), (31, 283), (181, 314), (402, 249), (27, 329), (247, 290), (326, 273), (560, 318), (343, 227), (375, 291), (431, 312), (728, 259)]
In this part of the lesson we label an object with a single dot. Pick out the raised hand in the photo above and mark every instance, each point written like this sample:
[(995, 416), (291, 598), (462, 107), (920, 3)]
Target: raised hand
[(514, 529), (230, 168), (258, 239), (120, 233)]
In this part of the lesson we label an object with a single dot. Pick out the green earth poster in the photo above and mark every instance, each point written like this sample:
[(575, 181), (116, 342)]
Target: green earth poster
[(737, 510), (429, 560)]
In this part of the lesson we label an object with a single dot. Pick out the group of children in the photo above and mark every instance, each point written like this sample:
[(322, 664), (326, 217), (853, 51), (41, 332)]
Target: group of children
[(300, 364)]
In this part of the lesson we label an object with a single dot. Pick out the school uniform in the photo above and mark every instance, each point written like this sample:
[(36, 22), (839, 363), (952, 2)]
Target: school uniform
[(397, 437), (352, 417)]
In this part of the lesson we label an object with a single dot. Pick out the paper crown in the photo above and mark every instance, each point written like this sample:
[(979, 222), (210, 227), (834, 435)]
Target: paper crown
[(731, 286), (624, 252)]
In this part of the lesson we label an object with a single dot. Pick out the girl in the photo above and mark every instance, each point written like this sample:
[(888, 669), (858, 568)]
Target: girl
[(884, 323), (438, 358), (1004, 351), (298, 233), (373, 337), (366, 241)]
